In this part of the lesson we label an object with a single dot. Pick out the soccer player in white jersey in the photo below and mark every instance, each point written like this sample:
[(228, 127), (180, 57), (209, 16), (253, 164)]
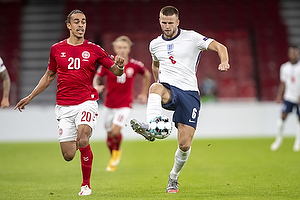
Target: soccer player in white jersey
[(6, 85), (175, 56), (289, 95), (73, 60)]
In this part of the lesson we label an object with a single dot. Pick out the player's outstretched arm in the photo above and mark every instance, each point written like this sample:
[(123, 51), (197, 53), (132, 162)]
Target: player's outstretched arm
[(223, 54), (44, 82)]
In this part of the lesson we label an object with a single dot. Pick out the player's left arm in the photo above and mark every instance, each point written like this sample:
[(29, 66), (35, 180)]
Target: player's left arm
[(142, 97), (223, 54), (117, 68), (6, 88)]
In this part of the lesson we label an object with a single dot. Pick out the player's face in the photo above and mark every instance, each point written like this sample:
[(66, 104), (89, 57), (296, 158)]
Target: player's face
[(293, 55), (169, 25), (77, 25), (122, 48)]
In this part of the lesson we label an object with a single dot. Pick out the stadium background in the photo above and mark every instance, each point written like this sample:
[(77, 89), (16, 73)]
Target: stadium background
[(257, 34)]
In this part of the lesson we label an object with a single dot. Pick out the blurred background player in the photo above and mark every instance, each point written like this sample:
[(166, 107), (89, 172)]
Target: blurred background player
[(208, 89), (175, 56), (119, 97), (6, 85), (73, 61), (289, 95)]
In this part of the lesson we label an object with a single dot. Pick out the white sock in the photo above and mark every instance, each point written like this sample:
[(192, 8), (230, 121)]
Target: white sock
[(180, 159), (154, 106), (297, 138), (280, 124)]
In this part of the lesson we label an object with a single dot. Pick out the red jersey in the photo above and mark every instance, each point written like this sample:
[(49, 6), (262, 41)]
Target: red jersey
[(120, 88), (75, 68)]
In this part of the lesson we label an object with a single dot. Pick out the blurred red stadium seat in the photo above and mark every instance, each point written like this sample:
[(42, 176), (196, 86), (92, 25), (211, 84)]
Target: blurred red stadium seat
[(229, 22)]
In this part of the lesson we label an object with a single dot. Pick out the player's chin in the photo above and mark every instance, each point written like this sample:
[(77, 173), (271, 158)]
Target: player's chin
[(167, 33), (79, 36)]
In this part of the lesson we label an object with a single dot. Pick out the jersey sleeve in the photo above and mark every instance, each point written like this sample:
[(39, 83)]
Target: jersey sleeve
[(152, 51), (104, 58), (2, 66), (283, 76), (201, 41), (52, 62)]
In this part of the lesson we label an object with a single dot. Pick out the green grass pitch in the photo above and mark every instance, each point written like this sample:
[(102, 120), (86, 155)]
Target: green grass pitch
[(216, 169)]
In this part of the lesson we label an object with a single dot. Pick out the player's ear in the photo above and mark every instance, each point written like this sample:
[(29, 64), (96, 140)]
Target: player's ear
[(68, 26)]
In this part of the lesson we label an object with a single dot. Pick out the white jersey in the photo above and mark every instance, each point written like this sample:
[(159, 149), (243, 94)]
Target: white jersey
[(2, 66), (178, 58), (290, 75)]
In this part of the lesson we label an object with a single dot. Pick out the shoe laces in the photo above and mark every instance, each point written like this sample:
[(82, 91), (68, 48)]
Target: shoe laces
[(174, 183)]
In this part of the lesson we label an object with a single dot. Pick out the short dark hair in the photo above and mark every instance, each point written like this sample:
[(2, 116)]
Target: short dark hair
[(169, 11), (294, 47), (68, 20)]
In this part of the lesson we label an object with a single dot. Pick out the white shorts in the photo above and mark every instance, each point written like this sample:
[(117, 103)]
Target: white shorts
[(70, 117), (118, 116)]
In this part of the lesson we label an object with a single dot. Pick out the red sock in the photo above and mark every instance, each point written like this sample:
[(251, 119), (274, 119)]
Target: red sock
[(86, 164), (118, 140), (111, 144)]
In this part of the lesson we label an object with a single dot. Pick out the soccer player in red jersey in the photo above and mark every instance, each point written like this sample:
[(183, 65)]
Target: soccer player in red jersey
[(73, 60), (118, 103)]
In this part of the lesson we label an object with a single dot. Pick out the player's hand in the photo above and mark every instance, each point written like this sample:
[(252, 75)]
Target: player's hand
[(223, 67), (278, 100), (22, 103), (4, 103), (118, 60), (142, 98), (99, 88)]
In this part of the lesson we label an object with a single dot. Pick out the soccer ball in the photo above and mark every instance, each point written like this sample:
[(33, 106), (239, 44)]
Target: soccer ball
[(160, 127)]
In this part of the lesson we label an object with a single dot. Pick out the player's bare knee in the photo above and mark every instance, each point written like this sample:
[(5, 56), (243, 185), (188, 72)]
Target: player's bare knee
[(83, 136), (184, 148), (83, 141), (68, 156), (155, 88), (115, 132)]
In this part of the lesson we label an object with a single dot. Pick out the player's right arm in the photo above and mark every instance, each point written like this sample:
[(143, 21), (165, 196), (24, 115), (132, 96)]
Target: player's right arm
[(155, 70), (44, 82)]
